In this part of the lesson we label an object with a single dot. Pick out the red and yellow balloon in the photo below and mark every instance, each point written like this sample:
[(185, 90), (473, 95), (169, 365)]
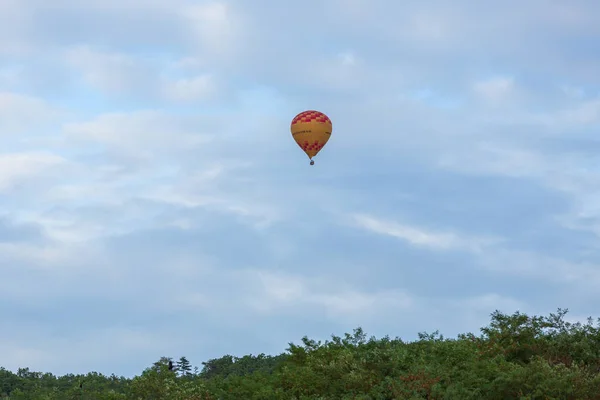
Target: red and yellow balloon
[(311, 130)]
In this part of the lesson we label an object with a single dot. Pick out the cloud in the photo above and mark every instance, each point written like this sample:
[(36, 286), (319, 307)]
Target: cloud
[(494, 89), (195, 88), (111, 72), (139, 76), (11, 232), (539, 267), (138, 133), (586, 113), (214, 26), (282, 291), (21, 113), (22, 168), (420, 237), (491, 254)]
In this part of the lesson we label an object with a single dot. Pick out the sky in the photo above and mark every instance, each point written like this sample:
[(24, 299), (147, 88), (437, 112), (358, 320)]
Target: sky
[(153, 202)]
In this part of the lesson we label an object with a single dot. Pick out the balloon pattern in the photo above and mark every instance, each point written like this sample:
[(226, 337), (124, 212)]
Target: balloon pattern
[(311, 130)]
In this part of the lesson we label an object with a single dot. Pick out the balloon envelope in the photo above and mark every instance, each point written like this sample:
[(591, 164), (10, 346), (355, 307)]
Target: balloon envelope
[(311, 130)]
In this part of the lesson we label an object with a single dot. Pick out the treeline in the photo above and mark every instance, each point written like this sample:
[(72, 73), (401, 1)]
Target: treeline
[(515, 357)]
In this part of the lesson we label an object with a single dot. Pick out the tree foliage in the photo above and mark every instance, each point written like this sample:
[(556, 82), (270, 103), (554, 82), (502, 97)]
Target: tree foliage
[(515, 357)]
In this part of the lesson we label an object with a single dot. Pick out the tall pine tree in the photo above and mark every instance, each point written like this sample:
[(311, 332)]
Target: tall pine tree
[(184, 367)]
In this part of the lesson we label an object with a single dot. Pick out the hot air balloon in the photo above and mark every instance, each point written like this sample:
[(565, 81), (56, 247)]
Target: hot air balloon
[(311, 130)]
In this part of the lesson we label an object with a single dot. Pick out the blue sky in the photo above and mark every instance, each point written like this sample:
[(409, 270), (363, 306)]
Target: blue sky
[(155, 204)]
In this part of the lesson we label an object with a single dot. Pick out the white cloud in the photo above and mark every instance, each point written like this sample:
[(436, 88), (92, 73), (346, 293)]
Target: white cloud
[(282, 291), (420, 237), (572, 175), (489, 254), (20, 113), (145, 134), (491, 301), (489, 158), (10, 76), (495, 89), (143, 77), (110, 72), (197, 193), (196, 88), (214, 26), (529, 264), (15, 24), (586, 113), (574, 92), (570, 16), (43, 355), (431, 27), (38, 255), (348, 58), (26, 354), (19, 169)]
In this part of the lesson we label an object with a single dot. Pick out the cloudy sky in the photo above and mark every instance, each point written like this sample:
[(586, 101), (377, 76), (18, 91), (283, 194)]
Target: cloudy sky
[(153, 202)]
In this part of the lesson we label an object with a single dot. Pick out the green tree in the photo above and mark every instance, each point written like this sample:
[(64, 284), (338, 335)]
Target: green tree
[(516, 356), (184, 367)]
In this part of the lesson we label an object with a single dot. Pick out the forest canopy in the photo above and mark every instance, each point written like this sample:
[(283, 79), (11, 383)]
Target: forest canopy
[(515, 357)]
